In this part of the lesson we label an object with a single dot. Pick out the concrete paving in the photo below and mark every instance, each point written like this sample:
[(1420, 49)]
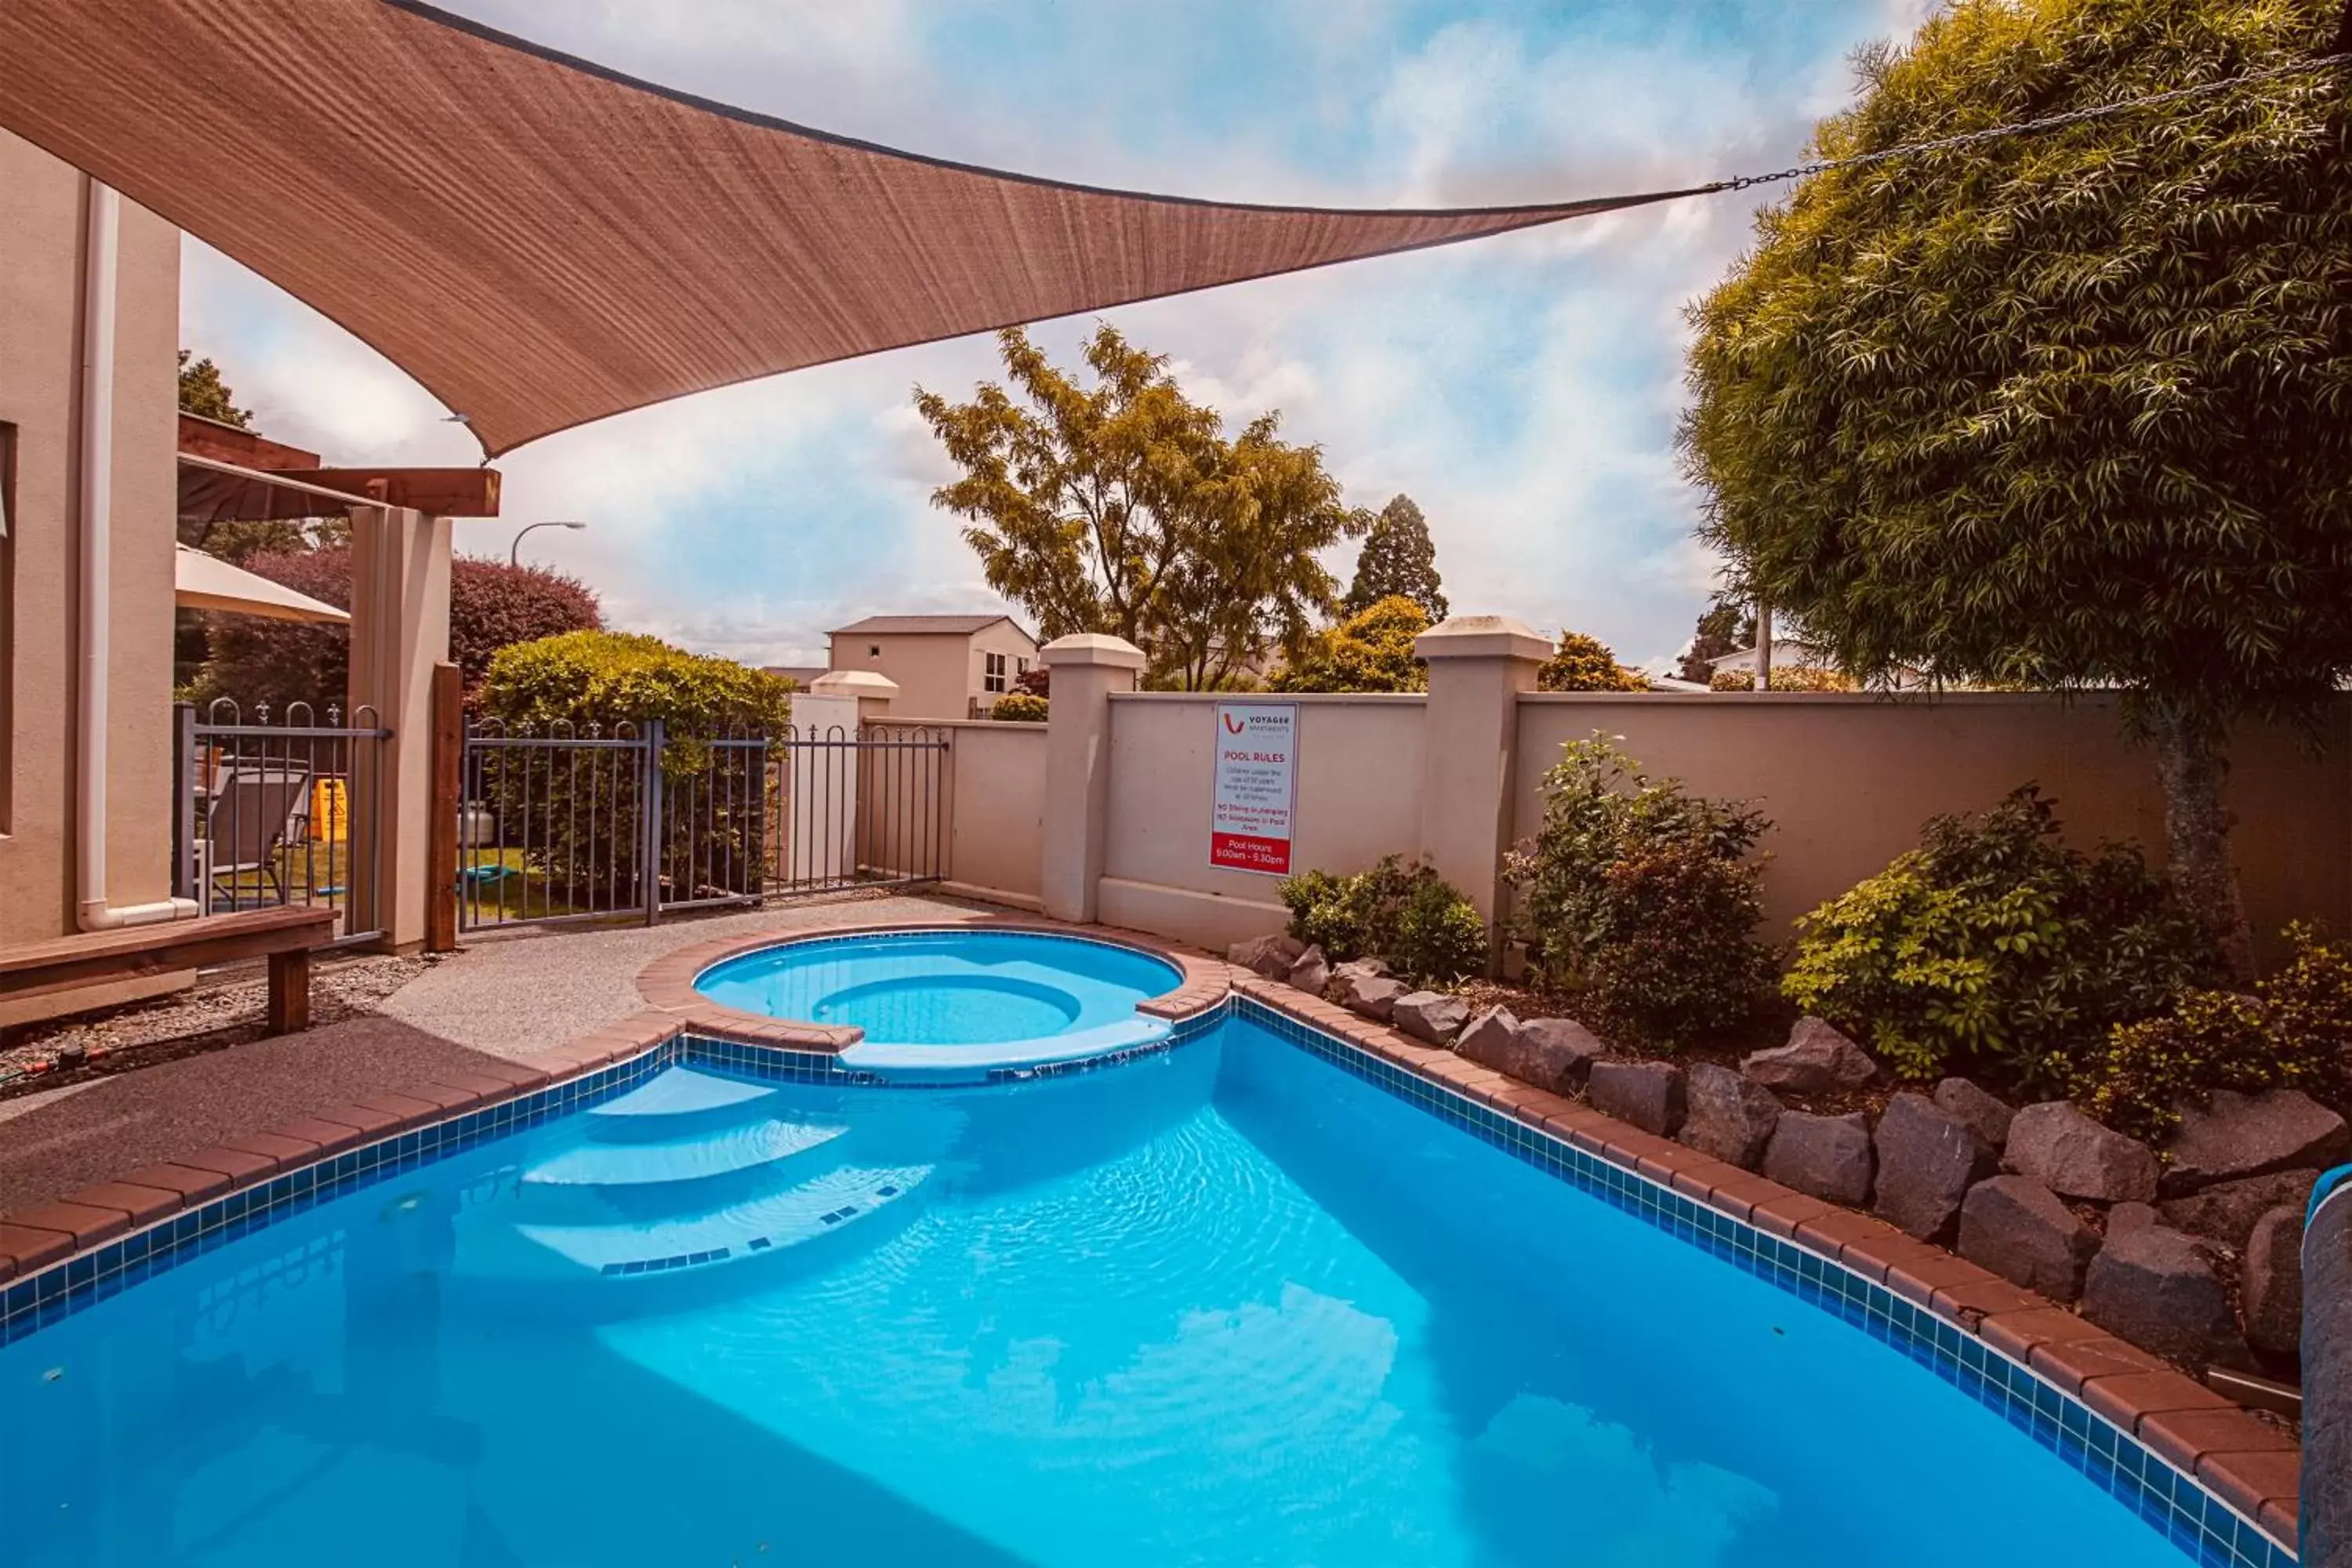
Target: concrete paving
[(514, 996)]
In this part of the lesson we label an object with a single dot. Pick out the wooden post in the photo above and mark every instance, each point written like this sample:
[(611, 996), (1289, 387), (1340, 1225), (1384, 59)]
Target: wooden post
[(441, 837), (289, 990)]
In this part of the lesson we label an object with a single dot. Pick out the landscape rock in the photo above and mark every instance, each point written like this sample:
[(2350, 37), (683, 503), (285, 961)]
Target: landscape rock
[(1928, 1161), (1311, 972), (2226, 1211), (2075, 1157), (1827, 1157), (1539, 1052), (1816, 1060), (2156, 1288), (2269, 1283), (2131, 1216), (1986, 1115), (1373, 995), (1430, 1016), (1729, 1115), (1271, 956), (1647, 1095), (2021, 1231), (2253, 1134), (1366, 968)]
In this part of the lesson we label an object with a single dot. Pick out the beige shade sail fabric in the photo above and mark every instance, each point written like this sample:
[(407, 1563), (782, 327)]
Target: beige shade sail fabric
[(542, 242), (201, 581)]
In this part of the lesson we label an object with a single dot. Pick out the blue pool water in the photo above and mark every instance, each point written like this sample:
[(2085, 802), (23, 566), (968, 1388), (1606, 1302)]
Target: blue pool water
[(953, 1004), (1223, 1304)]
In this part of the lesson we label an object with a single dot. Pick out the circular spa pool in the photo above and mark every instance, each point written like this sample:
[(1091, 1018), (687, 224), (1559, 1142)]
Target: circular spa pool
[(953, 1006)]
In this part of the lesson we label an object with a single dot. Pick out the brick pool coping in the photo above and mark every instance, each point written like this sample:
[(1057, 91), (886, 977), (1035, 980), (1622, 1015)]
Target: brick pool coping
[(2249, 1466)]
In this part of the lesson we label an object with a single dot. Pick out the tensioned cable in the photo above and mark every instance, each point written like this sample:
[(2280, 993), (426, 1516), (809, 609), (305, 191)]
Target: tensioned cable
[(2030, 127)]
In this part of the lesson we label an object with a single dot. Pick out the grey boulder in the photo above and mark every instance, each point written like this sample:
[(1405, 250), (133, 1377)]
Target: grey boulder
[(2270, 1283), (1728, 1115), (1563, 1049), (2158, 1289), (1430, 1016), (2018, 1228), (2226, 1211), (1817, 1059), (2251, 1134), (1986, 1115), (1311, 972), (1271, 956), (2075, 1157), (1827, 1157), (1373, 995), (1928, 1161), (1647, 1095)]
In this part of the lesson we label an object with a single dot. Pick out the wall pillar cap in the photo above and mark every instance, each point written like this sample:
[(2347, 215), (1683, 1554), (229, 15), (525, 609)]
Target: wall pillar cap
[(866, 683), (1092, 648), (1482, 636)]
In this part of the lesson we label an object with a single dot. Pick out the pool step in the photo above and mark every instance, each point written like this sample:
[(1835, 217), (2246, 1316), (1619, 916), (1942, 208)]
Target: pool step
[(681, 1157), (735, 1232), (673, 1102)]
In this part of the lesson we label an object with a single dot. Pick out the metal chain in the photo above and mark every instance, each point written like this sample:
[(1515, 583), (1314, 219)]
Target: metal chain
[(2030, 127)]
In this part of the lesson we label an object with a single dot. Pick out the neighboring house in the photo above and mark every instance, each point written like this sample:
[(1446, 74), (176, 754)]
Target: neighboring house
[(947, 666), (802, 675)]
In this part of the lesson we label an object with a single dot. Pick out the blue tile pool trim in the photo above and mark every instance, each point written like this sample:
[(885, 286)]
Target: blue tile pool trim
[(2175, 1504), (782, 1064)]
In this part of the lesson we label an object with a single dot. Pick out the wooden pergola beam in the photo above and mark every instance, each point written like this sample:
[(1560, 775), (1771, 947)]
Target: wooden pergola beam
[(437, 492), (203, 438)]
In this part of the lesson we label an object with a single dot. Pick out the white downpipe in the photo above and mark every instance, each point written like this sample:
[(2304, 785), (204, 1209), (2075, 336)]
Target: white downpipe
[(99, 273)]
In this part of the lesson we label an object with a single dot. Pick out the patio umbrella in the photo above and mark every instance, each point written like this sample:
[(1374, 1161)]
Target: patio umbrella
[(202, 582), (542, 242)]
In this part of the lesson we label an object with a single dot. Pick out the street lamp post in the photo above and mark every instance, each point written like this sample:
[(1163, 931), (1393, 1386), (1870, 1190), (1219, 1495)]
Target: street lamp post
[(514, 556)]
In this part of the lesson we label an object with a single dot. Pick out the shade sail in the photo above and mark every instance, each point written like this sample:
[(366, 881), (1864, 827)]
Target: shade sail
[(201, 581), (542, 242)]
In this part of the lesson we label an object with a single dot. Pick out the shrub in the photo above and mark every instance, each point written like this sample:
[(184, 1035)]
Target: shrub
[(1643, 899), (1785, 678), (1370, 651), (1995, 946), (1408, 915), (1037, 680), (2294, 1032), (1586, 664), (491, 605), (1020, 708), (588, 683)]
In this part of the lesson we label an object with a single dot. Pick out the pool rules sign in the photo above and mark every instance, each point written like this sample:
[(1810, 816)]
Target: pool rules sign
[(1257, 787)]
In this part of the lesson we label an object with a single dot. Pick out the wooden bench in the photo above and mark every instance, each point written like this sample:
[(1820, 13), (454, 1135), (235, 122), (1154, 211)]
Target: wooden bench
[(285, 936)]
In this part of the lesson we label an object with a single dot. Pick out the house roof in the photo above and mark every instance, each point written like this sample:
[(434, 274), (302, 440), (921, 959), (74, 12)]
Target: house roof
[(542, 242), (930, 626)]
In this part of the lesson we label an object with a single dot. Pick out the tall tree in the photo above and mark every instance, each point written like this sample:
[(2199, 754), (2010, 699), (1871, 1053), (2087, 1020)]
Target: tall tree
[(1726, 625), (1398, 558), (203, 392), (1583, 663), (1122, 507), (2067, 409)]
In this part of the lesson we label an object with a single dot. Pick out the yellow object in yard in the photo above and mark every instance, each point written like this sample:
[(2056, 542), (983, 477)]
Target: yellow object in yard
[(331, 811)]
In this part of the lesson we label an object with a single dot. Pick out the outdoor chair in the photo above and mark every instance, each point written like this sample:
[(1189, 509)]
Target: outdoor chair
[(247, 819)]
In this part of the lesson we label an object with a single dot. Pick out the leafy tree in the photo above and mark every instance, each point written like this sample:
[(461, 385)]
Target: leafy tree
[(203, 392), (2061, 410), (1725, 627), (1370, 651), (1586, 664), (492, 605), (1122, 507), (1398, 559)]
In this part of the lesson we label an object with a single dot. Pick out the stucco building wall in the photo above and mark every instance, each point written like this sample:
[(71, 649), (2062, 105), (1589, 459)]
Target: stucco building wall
[(41, 258), (996, 780), (939, 674)]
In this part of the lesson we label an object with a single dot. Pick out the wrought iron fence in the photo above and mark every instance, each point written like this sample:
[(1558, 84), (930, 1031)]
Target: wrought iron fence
[(556, 825), (280, 808)]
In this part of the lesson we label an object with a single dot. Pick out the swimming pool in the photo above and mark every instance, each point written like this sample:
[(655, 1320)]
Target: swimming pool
[(955, 1005), (1224, 1303)]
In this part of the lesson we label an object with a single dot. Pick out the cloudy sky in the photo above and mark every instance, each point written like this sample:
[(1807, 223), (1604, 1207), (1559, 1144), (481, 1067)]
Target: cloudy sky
[(1522, 389)]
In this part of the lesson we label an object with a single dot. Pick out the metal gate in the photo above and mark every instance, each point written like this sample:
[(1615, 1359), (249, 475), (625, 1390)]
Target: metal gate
[(280, 809), (563, 824)]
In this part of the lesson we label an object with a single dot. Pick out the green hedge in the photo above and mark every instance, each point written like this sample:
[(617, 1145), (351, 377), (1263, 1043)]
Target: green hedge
[(1408, 915)]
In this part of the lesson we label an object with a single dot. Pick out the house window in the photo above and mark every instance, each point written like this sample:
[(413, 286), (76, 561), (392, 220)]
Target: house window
[(1020, 666), (994, 679), (874, 650)]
